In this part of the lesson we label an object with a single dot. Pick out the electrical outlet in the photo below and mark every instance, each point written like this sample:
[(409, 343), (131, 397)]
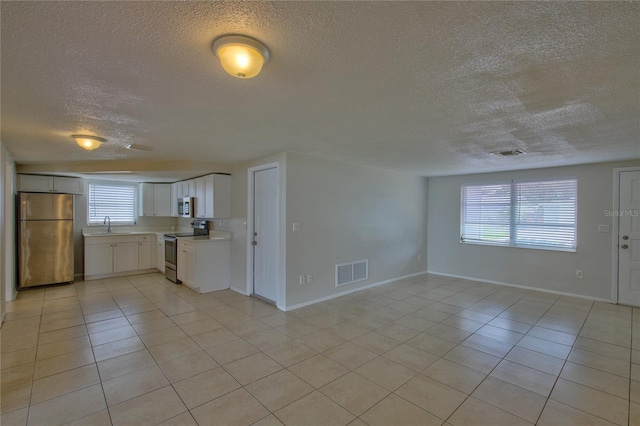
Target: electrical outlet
[(578, 273), (309, 278), (419, 256), (301, 279)]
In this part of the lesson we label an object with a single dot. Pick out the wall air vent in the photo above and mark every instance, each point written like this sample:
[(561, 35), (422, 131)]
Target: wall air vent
[(510, 153), (347, 273)]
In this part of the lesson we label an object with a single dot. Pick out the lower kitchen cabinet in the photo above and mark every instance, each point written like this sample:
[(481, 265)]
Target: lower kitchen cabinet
[(187, 263), (98, 259), (146, 256), (125, 257), (115, 255), (204, 265)]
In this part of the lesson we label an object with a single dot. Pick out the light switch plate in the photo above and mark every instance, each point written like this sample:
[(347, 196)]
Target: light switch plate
[(603, 228), (296, 227)]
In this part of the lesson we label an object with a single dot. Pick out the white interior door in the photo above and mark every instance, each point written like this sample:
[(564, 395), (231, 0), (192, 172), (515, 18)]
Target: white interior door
[(265, 234), (629, 239)]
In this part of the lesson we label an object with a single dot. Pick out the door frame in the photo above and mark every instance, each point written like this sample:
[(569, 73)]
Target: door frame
[(280, 297), (615, 267)]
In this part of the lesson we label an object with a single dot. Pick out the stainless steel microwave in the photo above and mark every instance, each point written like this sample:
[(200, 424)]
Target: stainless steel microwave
[(185, 207)]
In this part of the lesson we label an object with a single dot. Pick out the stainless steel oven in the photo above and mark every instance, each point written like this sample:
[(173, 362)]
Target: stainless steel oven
[(171, 258), (200, 230)]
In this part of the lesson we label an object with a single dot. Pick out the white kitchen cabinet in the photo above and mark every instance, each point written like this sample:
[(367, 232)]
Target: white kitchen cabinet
[(98, 259), (114, 255), (146, 258), (174, 194), (146, 199), (187, 188), (154, 199), (186, 263), (162, 200), (200, 197), (160, 253), (59, 184), (204, 265), (125, 257), (213, 196)]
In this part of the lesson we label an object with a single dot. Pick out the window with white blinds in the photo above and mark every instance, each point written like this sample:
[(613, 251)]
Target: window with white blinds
[(521, 214), (116, 200)]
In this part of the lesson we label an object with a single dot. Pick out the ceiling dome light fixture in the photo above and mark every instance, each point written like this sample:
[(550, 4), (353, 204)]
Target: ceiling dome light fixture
[(240, 56), (88, 142)]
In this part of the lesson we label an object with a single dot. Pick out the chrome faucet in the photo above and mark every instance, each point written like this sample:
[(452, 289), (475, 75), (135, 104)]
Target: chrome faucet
[(107, 219)]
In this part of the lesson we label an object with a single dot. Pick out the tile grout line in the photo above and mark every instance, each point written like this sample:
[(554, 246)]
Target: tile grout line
[(564, 363), (502, 359), (302, 318)]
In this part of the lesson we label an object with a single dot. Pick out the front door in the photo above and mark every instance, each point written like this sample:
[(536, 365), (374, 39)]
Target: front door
[(629, 239), (265, 234)]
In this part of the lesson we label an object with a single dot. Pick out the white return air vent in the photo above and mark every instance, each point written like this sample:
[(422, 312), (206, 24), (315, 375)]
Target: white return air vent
[(347, 273)]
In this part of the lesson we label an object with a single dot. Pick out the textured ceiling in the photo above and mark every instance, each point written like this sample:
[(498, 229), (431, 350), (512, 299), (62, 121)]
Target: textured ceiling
[(422, 87)]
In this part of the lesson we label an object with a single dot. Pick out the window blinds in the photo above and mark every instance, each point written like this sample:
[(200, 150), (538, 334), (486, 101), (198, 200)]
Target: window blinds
[(118, 201), (521, 214)]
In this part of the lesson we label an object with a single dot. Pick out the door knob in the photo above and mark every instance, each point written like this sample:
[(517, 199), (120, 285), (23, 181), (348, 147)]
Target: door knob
[(254, 243), (625, 237), (624, 246)]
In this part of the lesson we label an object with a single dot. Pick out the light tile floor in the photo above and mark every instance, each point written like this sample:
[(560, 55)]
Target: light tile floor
[(427, 350)]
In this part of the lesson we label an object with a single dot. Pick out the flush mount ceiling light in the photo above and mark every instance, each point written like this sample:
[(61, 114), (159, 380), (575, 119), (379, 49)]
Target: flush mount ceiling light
[(88, 142), (240, 56)]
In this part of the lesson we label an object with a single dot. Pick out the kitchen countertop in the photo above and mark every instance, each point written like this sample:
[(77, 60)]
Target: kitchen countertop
[(115, 234), (213, 235)]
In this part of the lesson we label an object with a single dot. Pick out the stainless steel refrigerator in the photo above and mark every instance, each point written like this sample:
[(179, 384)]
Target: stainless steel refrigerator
[(45, 239)]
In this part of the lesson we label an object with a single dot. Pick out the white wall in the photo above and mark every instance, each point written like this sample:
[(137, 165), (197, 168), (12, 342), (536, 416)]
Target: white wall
[(547, 270), (350, 213)]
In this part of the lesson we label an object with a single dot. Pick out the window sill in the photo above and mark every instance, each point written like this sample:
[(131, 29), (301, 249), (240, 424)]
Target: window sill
[(565, 250)]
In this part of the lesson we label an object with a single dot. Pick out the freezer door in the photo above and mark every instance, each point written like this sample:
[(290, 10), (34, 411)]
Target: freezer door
[(34, 206), (45, 252)]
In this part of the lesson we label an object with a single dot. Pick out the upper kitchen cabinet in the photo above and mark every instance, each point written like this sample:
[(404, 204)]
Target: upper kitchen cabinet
[(59, 184), (186, 188), (155, 199), (175, 194), (201, 198), (213, 196)]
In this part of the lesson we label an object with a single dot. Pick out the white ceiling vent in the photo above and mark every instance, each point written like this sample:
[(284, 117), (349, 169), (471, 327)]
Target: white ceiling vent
[(347, 273)]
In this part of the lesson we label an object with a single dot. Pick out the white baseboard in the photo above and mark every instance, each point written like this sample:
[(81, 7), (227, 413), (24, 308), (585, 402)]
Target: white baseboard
[(119, 274), (524, 287), (237, 290), (344, 293)]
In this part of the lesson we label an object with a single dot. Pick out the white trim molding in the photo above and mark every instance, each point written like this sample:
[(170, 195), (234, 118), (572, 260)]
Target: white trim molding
[(615, 205), (353, 290), (524, 287)]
